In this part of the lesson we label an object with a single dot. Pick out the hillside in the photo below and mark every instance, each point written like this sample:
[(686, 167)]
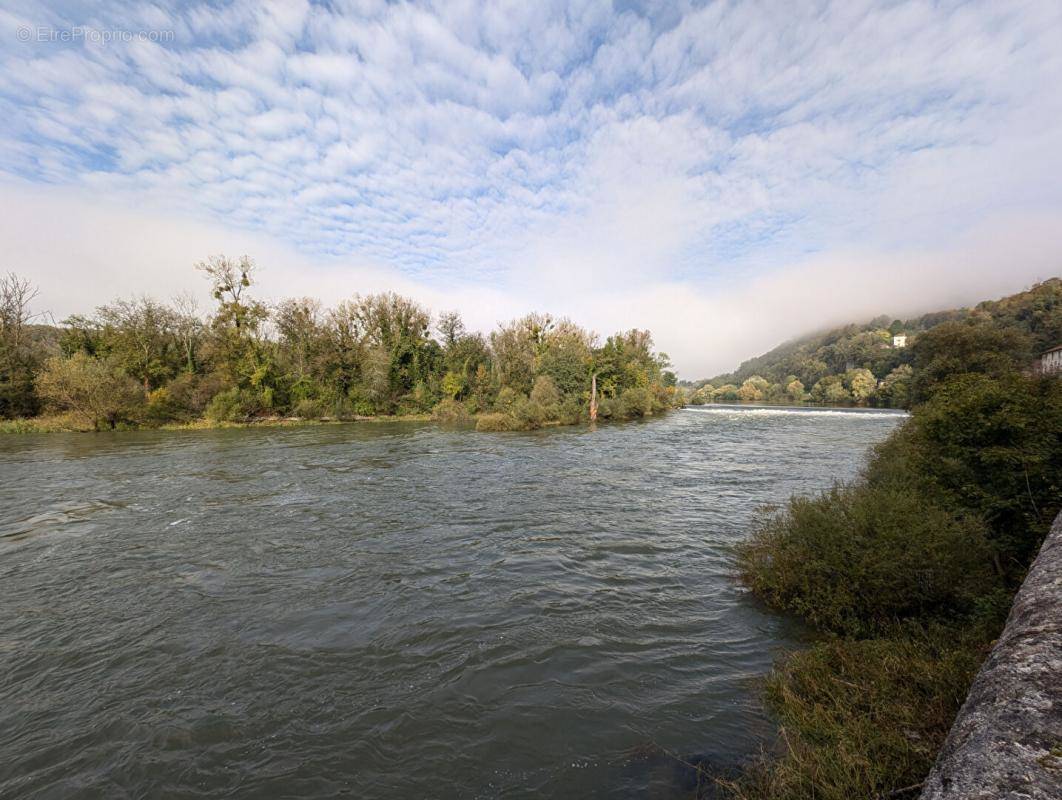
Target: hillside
[(858, 364)]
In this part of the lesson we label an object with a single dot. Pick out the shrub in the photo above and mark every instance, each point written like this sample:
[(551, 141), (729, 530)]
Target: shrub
[(570, 412), (635, 402), (161, 407), (861, 718), (545, 392), (234, 405), (857, 559), (496, 422), (606, 408), (18, 397), (96, 390), (310, 408), (664, 398), (527, 414), (50, 424), (421, 399), (992, 446), (727, 393), (506, 397), (449, 412), (191, 393), (969, 346)]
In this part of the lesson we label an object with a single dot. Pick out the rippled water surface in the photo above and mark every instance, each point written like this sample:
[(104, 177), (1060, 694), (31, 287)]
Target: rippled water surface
[(391, 610)]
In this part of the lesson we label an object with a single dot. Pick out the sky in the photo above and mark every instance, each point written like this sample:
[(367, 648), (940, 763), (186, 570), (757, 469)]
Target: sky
[(725, 174)]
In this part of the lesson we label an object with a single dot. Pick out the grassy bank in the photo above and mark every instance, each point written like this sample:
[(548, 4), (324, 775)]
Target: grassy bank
[(522, 418), (907, 573)]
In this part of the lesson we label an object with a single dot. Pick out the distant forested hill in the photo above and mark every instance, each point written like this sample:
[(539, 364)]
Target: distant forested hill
[(859, 363)]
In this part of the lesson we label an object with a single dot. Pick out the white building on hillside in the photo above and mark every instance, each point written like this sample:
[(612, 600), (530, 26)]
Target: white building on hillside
[(1051, 361), (899, 340)]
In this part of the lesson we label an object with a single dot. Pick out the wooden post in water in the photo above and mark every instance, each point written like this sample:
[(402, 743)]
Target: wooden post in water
[(593, 398)]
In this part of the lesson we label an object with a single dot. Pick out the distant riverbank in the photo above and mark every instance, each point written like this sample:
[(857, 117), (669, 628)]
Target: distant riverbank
[(68, 424), (488, 422), (799, 409)]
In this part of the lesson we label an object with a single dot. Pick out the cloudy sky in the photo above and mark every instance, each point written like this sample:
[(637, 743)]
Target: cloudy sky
[(727, 174)]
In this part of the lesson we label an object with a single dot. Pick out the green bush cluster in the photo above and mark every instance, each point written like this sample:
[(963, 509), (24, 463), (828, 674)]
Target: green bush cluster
[(858, 559)]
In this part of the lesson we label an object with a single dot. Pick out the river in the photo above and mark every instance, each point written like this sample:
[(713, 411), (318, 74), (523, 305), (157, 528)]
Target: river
[(393, 610)]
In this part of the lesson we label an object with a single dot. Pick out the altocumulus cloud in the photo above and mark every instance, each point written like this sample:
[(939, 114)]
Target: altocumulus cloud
[(726, 173)]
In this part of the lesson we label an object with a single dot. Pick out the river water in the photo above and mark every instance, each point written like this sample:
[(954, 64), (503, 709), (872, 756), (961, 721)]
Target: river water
[(389, 610)]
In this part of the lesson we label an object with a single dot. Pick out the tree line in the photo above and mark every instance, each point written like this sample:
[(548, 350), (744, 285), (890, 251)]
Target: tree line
[(144, 362)]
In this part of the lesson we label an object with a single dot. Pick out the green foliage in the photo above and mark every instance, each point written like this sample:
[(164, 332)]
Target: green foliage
[(727, 393), (753, 389), (191, 392), (991, 339), (95, 390), (140, 335), (861, 383), (528, 414), (235, 405), (310, 408), (993, 447), (895, 388), (496, 422), (607, 408), (921, 554), (831, 391), (971, 346), (861, 718), (453, 384), (635, 402), (368, 355), (507, 396), (18, 395), (545, 392), (161, 407), (450, 412), (702, 395), (570, 412), (858, 559)]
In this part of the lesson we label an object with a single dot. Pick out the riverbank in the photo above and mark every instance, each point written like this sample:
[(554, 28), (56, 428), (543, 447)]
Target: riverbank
[(907, 574), (68, 424), (493, 422), (796, 409)]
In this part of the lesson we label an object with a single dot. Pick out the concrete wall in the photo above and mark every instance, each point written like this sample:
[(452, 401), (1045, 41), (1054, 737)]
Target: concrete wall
[(1007, 739)]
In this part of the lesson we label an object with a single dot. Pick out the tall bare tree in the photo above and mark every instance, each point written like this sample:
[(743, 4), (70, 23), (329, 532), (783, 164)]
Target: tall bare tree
[(17, 397), (16, 295)]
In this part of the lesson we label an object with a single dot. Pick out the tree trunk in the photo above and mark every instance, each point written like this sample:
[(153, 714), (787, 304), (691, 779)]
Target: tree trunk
[(593, 398)]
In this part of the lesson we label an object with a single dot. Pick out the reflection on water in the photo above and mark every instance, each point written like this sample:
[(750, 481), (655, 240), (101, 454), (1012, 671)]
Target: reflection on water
[(392, 610)]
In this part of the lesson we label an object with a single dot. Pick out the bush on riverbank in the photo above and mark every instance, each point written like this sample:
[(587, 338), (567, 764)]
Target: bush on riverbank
[(495, 422), (51, 423), (909, 572), (857, 559), (450, 412), (862, 718)]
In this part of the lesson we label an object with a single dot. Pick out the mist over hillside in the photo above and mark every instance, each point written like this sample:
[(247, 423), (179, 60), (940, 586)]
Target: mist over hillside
[(833, 365)]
